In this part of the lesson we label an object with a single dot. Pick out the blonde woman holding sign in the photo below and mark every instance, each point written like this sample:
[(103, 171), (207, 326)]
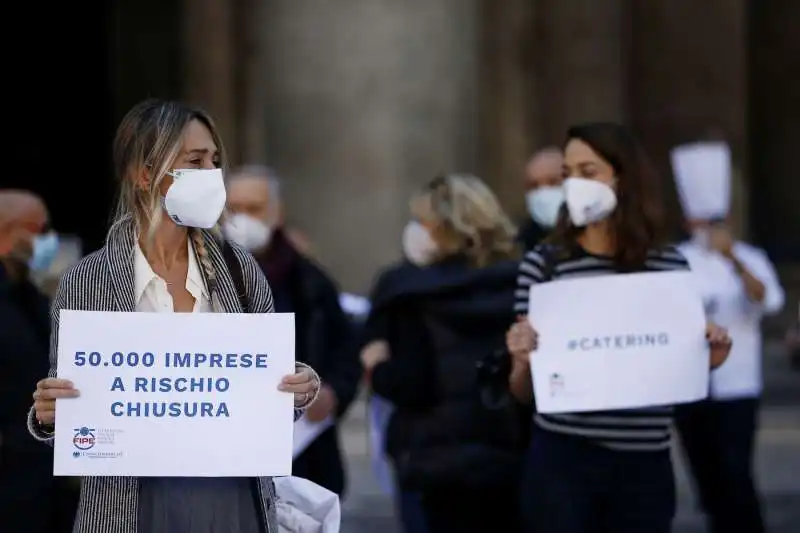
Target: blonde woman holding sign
[(163, 254)]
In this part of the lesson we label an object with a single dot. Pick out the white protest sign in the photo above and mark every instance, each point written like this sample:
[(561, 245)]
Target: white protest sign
[(175, 394), (618, 342), (703, 176), (306, 432)]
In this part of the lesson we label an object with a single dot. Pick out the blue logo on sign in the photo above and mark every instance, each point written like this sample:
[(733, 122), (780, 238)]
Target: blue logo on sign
[(84, 438)]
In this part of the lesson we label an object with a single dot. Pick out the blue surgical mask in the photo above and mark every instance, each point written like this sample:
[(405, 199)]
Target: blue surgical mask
[(45, 249)]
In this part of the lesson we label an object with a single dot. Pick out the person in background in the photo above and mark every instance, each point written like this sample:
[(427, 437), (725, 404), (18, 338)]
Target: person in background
[(793, 343), (325, 336), (606, 470), (740, 286), (29, 494), (544, 195), (434, 348)]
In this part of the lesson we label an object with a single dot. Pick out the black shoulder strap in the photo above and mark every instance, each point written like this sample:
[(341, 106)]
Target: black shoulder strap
[(548, 254), (235, 270)]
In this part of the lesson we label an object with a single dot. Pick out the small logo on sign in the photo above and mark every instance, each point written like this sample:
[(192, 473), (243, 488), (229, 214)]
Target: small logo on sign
[(84, 438), (556, 384)]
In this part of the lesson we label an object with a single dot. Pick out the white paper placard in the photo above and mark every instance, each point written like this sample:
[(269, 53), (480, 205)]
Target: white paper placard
[(703, 177), (306, 432), (618, 342), (175, 394)]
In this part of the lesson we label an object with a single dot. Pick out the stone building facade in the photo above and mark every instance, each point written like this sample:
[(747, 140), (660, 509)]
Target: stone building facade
[(356, 102)]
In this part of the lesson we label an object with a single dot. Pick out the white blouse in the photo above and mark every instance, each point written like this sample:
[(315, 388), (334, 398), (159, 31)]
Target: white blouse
[(150, 290)]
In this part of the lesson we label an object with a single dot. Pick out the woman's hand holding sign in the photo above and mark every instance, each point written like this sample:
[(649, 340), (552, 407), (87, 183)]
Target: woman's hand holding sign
[(719, 343), (521, 340), (47, 392), (304, 384)]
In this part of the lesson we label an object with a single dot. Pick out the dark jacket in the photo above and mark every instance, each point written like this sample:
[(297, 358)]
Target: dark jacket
[(442, 322), (530, 234), (26, 466), (326, 340)]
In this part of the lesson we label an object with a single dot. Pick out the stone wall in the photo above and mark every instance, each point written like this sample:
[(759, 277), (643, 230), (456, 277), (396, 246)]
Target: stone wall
[(356, 102), (365, 100)]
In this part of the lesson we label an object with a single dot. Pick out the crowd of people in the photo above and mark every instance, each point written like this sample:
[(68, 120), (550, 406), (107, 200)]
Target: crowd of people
[(446, 339)]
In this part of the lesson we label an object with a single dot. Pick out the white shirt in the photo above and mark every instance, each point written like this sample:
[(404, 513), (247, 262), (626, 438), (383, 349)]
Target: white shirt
[(728, 305), (150, 290)]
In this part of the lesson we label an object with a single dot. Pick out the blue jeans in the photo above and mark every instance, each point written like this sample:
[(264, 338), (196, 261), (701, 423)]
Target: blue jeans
[(572, 485)]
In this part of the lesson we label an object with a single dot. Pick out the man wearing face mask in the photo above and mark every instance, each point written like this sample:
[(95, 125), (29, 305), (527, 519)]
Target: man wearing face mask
[(544, 195), (325, 336), (27, 487), (739, 286)]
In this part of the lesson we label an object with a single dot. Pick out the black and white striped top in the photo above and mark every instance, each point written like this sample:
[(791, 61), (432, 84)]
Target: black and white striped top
[(645, 430)]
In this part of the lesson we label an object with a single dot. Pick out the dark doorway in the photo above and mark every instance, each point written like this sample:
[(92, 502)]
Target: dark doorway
[(774, 132), (57, 111), (71, 71)]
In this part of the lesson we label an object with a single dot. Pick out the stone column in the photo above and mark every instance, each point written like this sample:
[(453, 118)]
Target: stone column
[(367, 99), (581, 63), (689, 80), (508, 97), (251, 17), (209, 61), (775, 136)]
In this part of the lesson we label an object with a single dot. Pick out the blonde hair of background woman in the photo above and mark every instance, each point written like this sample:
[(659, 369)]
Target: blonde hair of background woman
[(149, 139), (469, 217)]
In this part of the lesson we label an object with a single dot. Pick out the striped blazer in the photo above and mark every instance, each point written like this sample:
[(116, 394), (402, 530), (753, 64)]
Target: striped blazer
[(104, 281)]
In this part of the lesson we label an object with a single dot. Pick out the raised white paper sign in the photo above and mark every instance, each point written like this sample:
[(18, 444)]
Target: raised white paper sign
[(175, 394), (703, 178), (618, 342)]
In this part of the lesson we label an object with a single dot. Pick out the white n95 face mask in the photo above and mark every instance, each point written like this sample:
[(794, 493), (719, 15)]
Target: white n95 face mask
[(544, 204), (248, 232), (418, 246), (588, 201), (196, 197)]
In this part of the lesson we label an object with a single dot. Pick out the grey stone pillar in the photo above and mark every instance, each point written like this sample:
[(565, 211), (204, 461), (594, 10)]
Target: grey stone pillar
[(774, 135), (688, 83), (208, 58), (509, 127), (366, 99), (581, 63)]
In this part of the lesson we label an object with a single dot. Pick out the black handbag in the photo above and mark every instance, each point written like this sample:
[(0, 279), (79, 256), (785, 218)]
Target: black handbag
[(478, 443)]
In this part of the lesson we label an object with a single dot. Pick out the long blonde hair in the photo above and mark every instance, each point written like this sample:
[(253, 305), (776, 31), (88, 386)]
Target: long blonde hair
[(149, 139), (468, 219)]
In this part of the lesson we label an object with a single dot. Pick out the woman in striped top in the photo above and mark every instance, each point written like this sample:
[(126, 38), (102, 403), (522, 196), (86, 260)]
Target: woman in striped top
[(600, 471)]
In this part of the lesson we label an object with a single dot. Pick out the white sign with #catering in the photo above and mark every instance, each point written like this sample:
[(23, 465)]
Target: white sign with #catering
[(175, 394), (618, 342)]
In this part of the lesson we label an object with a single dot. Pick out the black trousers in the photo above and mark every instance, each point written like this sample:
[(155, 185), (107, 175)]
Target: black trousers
[(460, 510), (572, 485), (322, 463), (29, 497), (719, 439)]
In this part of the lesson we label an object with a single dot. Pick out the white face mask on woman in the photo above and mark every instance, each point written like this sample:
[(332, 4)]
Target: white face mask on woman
[(418, 246), (588, 201), (196, 197), (248, 232), (544, 204)]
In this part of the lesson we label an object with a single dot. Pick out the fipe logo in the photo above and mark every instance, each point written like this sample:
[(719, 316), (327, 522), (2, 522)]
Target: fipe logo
[(84, 438)]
